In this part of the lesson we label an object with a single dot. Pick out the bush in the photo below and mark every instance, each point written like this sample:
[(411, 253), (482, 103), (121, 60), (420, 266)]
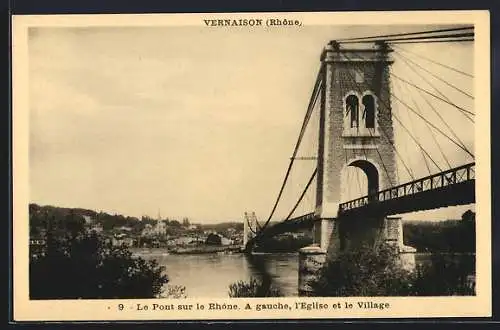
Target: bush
[(213, 239), (252, 288), (369, 272), (363, 272), (174, 292), (85, 267), (445, 275)]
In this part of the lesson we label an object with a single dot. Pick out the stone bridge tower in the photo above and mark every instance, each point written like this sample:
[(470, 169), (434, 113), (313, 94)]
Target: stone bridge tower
[(356, 129), (249, 227)]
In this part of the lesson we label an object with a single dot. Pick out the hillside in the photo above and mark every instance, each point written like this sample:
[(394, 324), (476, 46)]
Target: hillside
[(39, 216), (442, 236)]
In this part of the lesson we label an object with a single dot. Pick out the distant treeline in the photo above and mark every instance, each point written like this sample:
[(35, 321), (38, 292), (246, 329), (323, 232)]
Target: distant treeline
[(284, 243), (442, 236), (41, 215), (458, 236), (44, 216)]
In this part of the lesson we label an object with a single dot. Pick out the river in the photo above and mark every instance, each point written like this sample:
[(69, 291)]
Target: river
[(209, 275)]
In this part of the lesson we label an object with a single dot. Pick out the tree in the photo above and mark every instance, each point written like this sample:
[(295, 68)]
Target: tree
[(185, 222), (175, 223), (469, 216), (369, 272), (213, 239), (363, 272), (442, 236), (445, 275), (75, 264), (87, 268)]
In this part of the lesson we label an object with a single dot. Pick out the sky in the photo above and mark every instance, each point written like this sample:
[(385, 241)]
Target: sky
[(200, 123)]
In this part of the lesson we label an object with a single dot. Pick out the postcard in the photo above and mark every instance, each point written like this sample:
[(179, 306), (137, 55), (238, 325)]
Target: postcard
[(244, 166)]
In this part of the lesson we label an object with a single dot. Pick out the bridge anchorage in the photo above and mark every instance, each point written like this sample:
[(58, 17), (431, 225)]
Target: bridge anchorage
[(353, 93)]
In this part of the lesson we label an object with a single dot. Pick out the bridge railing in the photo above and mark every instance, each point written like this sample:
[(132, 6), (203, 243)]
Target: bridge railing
[(446, 178)]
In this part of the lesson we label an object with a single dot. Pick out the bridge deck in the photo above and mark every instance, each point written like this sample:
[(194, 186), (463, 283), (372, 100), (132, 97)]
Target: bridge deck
[(303, 221), (449, 188)]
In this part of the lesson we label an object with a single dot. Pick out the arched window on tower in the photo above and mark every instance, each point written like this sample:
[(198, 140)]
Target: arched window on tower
[(369, 110), (352, 110)]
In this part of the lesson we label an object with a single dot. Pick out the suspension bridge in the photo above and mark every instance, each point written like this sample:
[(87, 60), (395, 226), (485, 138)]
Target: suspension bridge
[(369, 93)]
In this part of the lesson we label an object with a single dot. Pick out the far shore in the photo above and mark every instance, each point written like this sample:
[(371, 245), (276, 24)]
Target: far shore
[(201, 249)]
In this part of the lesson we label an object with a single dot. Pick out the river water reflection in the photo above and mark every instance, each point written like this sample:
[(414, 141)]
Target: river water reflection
[(209, 275)]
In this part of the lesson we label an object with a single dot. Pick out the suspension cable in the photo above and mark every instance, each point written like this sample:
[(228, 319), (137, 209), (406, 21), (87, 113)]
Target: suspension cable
[(437, 113), (413, 129), (444, 122), (409, 33), (430, 41), (394, 115), (432, 94), (471, 34), (427, 125), (312, 101), (424, 119), (435, 62), (302, 195), (432, 107), (432, 125), (432, 133), (404, 60), (436, 76)]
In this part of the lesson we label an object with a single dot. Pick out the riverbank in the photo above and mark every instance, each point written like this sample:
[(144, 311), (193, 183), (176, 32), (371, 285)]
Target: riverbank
[(205, 249), (202, 249)]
